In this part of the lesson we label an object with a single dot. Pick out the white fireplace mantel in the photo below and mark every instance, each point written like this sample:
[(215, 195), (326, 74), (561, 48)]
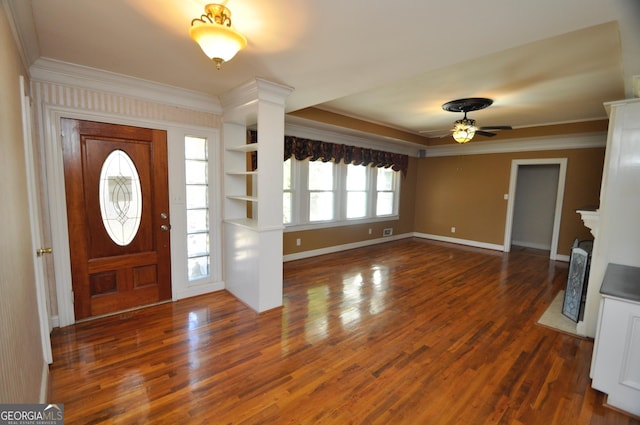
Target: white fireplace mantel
[(591, 219)]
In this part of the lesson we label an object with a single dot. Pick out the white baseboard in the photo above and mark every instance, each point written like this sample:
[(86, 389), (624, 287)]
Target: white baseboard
[(564, 258), (532, 245), (344, 247), (467, 242), (338, 248), (44, 383), (55, 322), (195, 290)]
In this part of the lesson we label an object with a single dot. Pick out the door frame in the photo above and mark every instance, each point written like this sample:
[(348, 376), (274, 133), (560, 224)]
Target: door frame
[(513, 180), (50, 129), (96, 258), (36, 223)]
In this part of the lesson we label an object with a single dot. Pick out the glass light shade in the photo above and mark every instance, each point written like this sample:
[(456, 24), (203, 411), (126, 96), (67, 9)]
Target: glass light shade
[(463, 135), (464, 130), (218, 42)]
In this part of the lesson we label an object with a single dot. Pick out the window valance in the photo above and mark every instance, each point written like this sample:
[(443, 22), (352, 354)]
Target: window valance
[(316, 150)]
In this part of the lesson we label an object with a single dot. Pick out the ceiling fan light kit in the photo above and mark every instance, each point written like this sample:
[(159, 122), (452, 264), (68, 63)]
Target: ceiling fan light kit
[(213, 32), (465, 129)]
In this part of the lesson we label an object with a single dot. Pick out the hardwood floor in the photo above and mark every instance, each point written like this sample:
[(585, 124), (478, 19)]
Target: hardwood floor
[(407, 332)]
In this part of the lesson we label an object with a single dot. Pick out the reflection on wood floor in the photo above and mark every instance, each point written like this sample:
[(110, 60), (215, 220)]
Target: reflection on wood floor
[(406, 332)]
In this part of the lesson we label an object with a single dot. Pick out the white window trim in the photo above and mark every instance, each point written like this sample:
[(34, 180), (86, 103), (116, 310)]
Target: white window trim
[(300, 199), (211, 268), (182, 286)]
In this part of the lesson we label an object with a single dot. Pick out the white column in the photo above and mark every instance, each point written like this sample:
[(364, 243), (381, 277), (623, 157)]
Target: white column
[(618, 234), (253, 245)]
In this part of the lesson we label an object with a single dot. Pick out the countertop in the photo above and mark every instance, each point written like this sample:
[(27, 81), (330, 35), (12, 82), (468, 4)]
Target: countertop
[(621, 282)]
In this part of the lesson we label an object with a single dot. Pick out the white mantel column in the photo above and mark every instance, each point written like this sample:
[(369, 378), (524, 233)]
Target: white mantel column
[(252, 243), (617, 239)]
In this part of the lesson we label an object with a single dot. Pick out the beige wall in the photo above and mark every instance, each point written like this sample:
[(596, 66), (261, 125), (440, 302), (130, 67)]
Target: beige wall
[(22, 363), (468, 192)]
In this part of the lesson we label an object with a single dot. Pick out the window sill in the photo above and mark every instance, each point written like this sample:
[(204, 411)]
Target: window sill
[(341, 223)]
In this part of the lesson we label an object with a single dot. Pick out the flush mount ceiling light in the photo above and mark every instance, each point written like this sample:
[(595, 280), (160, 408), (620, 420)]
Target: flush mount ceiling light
[(213, 32)]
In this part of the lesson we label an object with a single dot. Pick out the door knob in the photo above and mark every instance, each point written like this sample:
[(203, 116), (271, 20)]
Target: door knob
[(40, 252)]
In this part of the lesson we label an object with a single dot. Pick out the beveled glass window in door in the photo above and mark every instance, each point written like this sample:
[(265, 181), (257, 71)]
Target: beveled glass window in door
[(120, 197), (197, 203)]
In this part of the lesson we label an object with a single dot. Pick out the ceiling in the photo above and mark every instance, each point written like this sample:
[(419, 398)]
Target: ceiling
[(390, 63)]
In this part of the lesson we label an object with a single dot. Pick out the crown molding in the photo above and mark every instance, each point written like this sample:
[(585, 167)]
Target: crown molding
[(20, 17), (256, 89), (65, 73), (551, 143), (240, 104)]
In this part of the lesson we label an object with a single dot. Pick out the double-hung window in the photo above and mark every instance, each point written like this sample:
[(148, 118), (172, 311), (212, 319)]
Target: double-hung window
[(287, 192), (321, 190), (357, 177), (317, 193), (385, 191)]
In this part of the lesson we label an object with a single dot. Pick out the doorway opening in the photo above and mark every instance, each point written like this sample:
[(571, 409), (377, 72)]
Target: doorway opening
[(536, 191)]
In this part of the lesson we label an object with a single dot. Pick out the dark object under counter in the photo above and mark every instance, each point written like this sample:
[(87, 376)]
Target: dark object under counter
[(622, 282)]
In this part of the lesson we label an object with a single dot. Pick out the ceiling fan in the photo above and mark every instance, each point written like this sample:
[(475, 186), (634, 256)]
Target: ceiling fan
[(465, 128)]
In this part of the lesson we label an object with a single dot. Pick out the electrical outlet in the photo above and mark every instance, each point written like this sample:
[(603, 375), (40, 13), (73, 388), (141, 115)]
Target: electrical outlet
[(298, 242), (453, 229), (388, 231), (370, 230)]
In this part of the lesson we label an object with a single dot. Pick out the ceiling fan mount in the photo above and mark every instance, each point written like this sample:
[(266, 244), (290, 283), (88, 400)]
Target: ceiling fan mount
[(464, 129), (467, 105)]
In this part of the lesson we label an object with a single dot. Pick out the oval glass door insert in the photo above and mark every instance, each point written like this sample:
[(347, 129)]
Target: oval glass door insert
[(120, 197)]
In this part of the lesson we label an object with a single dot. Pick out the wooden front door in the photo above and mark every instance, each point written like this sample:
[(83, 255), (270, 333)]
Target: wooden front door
[(116, 184)]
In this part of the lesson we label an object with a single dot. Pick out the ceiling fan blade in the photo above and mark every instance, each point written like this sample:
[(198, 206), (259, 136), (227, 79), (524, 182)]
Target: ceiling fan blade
[(497, 127), (485, 133)]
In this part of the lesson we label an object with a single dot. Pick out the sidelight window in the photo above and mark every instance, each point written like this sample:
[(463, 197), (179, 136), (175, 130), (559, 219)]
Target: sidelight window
[(197, 205)]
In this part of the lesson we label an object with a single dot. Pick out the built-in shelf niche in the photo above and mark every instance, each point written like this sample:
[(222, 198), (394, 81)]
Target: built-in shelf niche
[(242, 183)]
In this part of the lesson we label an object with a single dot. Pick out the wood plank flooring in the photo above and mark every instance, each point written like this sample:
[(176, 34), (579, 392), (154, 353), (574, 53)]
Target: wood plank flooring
[(406, 332)]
